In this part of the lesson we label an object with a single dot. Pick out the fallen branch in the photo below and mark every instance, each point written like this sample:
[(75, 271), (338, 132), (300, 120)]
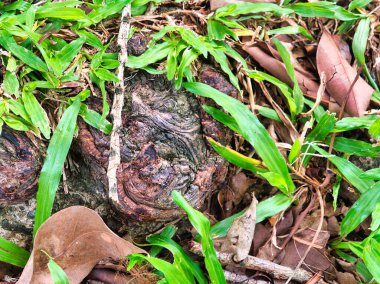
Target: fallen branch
[(253, 263), (118, 102), (242, 279)]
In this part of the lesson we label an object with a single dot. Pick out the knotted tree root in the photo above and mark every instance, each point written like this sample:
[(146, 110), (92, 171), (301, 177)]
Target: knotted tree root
[(21, 158), (162, 149)]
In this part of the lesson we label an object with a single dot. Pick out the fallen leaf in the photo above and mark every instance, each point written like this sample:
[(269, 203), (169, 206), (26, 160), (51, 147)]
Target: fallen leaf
[(340, 76), (215, 4), (270, 60), (77, 239), (240, 236)]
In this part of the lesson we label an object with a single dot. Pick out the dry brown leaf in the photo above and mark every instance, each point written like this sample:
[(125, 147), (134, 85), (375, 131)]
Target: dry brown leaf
[(270, 60), (340, 77), (77, 239), (215, 4), (240, 235)]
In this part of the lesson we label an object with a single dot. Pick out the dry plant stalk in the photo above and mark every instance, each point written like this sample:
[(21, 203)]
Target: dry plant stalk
[(114, 158)]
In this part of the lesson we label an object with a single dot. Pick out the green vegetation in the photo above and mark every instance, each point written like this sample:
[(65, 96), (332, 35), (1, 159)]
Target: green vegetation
[(35, 66)]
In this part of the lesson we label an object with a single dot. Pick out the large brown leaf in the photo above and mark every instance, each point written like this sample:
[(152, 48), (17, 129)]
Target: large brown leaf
[(340, 77), (215, 4), (77, 239), (270, 60)]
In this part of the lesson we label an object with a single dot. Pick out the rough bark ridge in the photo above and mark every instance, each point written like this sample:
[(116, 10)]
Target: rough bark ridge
[(162, 149)]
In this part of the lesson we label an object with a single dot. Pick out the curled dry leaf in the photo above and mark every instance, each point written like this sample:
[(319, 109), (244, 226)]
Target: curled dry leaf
[(215, 4), (270, 60), (77, 239), (341, 76)]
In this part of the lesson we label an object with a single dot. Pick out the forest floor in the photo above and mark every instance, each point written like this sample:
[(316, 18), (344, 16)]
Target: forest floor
[(262, 115)]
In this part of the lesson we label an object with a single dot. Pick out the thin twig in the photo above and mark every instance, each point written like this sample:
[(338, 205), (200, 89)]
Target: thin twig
[(114, 159), (254, 263)]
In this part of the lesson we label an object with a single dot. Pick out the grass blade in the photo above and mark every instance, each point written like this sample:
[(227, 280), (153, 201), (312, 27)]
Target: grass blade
[(58, 275), (13, 254), (25, 55), (36, 113), (361, 209), (202, 225), (172, 274), (350, 172), (181, 259), (264, 209), (52, 169), (285, 56), (250, 128)]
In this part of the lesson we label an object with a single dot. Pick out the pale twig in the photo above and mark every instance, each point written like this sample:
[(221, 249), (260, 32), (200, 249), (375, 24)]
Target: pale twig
[(253, 263), (114, 159)]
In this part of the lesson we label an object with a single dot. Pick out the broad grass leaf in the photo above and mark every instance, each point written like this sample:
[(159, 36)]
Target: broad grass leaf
[(264, 209), (52, 169), (323, 9), (36, 113), (188, 56), (168, 232), (352, 123), (172, 274), (358, 4), (250, 128), (361, 209), (243, 8), (286, 58), (193, 40), (291, 30), (95, 119), (236, 158), (359, 42), (215, 4), (318, 134), (221, 58), (374, 129), (106, 75), (218, 31), (222, 117), (58, 275), (65, 13), (90, 38), (294, 151), (349, 171), (375, 223), (152, 55), (202, 225), (16, 123), (104, 11), (25, 55), (373, 174), (340, 76), (371, 257), (10, 83), (67, 54), (355, 147), (181, 259), (12, 253)]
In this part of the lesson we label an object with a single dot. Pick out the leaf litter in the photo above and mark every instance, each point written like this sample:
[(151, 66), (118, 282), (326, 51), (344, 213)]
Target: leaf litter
[(288, 234)]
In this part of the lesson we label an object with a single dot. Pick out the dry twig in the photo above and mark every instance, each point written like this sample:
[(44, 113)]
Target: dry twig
[(114, 158)]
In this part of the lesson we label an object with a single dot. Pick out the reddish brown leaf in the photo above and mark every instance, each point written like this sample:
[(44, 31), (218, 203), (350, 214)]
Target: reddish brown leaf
[(270, 60), (340, 77), (77, 239), (215, 4)]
